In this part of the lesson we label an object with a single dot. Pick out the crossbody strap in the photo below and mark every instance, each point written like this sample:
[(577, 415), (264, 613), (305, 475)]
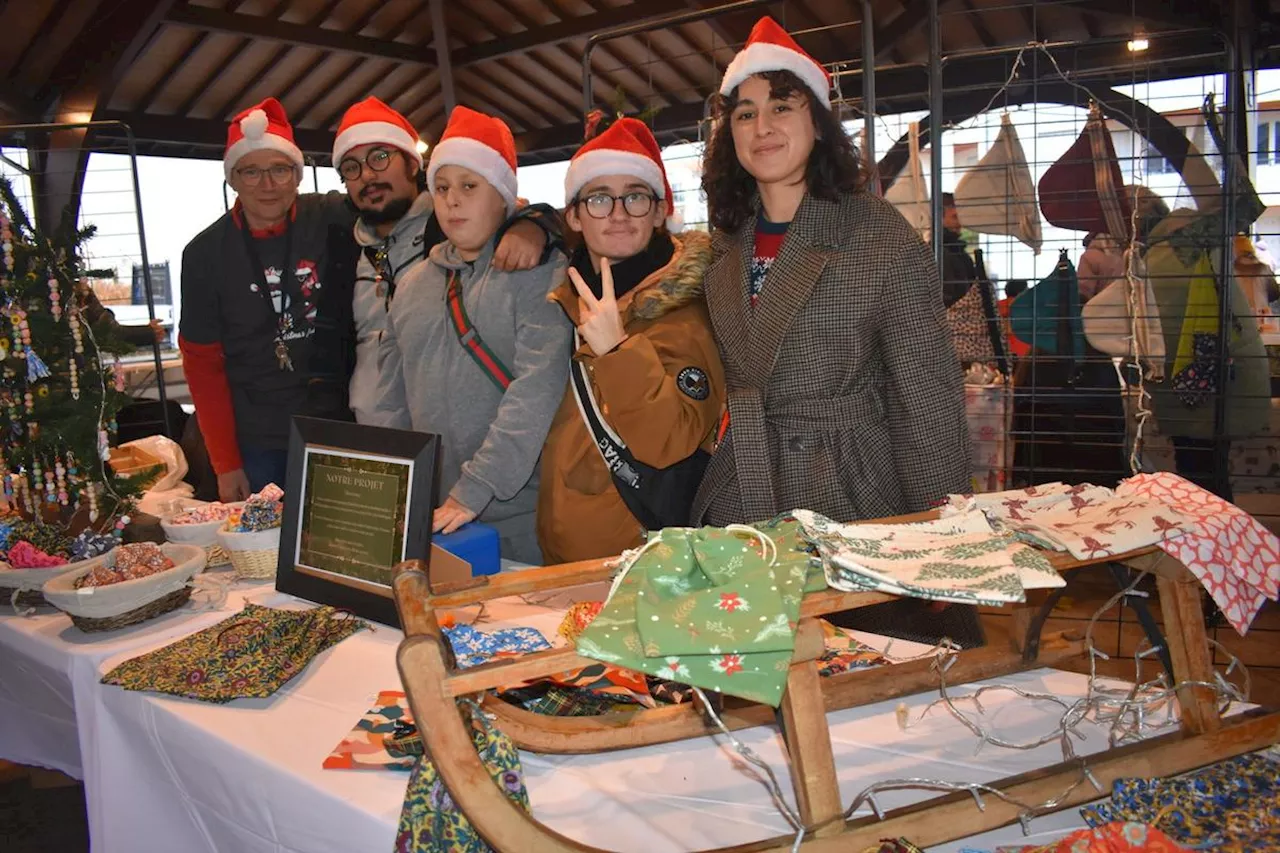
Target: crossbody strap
[(470, 338), (613, 450)]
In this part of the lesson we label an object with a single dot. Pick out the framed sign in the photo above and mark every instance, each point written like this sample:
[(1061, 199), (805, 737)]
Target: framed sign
[(358, 500)]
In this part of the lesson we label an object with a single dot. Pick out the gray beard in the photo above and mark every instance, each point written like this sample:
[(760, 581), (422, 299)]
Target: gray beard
[(394, 211)]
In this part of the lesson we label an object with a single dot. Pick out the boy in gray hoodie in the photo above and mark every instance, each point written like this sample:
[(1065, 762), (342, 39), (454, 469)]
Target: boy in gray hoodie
[(474, 354)]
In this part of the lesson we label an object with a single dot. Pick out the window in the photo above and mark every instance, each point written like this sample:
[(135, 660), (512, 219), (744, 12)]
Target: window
[(965, 155), (1264, 142), (1157, 164)]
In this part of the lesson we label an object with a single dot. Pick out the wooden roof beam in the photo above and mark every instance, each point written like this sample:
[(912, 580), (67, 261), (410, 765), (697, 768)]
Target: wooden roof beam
[(564, 30), (297, 35)]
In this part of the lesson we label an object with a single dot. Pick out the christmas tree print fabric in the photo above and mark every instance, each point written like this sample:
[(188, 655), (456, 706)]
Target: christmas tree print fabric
[(709, 607), (959, 559)]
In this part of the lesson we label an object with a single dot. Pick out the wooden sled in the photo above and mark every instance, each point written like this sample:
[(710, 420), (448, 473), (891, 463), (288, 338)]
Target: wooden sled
[(433, 685)]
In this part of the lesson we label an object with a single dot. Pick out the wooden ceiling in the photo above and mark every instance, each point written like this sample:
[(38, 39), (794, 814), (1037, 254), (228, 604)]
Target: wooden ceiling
[(176, 72)]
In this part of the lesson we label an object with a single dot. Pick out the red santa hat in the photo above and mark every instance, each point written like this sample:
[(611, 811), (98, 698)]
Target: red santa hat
[(484, 145), (771, 48), (262, 127), (372, 121), (626, 148)]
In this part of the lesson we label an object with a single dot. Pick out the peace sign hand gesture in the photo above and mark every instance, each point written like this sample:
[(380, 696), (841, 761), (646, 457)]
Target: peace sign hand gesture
[(599, 321)]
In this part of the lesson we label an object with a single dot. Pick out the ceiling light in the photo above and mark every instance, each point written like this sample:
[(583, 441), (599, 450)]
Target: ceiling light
[(1138, 44), (421, 146)]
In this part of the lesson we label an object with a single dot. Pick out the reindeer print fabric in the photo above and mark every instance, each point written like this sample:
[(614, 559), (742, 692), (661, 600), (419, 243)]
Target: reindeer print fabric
[(708, 607), (1089, 522)]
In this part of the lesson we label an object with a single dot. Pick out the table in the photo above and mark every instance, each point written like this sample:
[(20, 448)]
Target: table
[(47, 665), (247, 776)]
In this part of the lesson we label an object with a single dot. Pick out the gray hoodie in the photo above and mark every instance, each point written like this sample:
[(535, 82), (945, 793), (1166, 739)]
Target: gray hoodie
[(404, 247), (427, 381)]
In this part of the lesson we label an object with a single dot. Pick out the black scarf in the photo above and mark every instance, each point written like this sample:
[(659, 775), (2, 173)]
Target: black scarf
[(628, 273)]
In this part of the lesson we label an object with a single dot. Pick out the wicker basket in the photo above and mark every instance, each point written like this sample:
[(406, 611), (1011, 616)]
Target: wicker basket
[(253, 555), (128, 602), (205, 535), (22, 587)]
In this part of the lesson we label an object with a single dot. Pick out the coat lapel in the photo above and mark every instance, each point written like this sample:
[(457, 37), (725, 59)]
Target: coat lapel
[(726, 299), (808, 245)]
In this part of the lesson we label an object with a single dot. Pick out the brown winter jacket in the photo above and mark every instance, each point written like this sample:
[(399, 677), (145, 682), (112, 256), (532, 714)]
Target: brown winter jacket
[(580, 514)]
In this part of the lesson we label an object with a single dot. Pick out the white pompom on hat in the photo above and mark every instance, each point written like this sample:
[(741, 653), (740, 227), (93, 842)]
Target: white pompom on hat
[(628, 148), (771, 48), (484, 145), (262, 127)]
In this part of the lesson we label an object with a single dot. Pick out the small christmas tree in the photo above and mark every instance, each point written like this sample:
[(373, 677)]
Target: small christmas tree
[(58, 397)]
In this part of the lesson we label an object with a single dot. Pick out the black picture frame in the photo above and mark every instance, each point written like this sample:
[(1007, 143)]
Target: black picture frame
[(422, 450)]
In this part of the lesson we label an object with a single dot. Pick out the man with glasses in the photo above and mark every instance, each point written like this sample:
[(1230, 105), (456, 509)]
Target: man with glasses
[(252, 286), (378, 155), (646, 386)]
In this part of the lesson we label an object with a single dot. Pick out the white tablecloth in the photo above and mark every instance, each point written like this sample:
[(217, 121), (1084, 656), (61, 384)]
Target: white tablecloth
[(169, 774), (46, 662)]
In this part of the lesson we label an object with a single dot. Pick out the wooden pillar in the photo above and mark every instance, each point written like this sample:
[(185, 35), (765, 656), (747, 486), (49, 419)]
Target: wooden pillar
[(440, 39)]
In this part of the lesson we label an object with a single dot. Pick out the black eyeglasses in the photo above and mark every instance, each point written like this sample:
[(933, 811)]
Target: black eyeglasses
[(377, 160), (601, 205), (251, 176)]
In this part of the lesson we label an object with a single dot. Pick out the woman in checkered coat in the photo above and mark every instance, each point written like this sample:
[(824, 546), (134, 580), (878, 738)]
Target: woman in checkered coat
[(844, 392)]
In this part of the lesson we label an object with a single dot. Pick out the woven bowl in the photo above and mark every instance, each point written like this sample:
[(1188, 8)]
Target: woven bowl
[(105, 608), (22, 587), (204, 534), (253, 555)]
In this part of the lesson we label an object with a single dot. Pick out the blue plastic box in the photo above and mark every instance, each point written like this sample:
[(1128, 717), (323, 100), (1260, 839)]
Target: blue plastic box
[(477, 544)]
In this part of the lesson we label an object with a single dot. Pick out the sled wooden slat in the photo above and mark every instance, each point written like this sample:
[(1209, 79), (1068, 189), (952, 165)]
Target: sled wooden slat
[(433, 683)]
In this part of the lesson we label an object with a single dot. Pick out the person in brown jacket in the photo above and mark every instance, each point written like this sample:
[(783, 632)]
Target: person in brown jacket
[(645, 361)]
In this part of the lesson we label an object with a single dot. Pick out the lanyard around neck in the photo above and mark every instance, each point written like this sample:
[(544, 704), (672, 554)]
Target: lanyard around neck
[(260, 272)]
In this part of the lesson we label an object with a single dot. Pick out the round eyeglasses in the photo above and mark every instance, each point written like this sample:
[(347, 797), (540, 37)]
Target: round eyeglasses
[(377, 160), (601, 205)]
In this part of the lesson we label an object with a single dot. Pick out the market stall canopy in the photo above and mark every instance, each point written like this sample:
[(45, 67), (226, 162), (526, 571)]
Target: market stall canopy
[(176, 71)]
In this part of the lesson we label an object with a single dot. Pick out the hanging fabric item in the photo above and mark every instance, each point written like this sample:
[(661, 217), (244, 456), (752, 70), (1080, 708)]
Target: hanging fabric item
[(1196, 372), (909, 193), (1083, 190), (430, 821), (1047, 316), (713, 607), (1108, 319), (976, 330), (998, 195)]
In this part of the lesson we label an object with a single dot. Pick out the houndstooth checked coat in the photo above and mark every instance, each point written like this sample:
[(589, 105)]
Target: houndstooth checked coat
[(845, 395)]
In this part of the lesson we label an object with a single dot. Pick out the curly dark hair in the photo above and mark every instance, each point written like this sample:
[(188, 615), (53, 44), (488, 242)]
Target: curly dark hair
[(835, 166)]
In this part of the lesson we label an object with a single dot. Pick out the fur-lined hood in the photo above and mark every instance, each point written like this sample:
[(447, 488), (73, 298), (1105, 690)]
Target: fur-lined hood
[(675, 285)]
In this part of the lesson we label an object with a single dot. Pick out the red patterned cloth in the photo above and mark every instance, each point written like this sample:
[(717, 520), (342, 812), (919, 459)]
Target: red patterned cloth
[(577, 618), (1111, 838), (24, 555), (1235, 557)]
